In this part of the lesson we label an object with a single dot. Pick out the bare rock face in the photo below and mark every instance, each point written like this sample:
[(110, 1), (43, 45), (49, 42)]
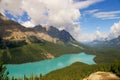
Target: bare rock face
[(102, 76)]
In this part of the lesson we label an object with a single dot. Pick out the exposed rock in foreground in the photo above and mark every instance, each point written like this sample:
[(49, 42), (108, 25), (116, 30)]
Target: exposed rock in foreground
[(102, 76), (49, 56)]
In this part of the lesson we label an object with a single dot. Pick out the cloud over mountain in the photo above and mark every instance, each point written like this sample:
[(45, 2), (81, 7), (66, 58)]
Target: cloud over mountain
[(115, 30), (63, 14)]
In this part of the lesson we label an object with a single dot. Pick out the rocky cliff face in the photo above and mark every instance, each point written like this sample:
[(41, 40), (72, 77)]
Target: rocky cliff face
[(10, 30), (102, 76)]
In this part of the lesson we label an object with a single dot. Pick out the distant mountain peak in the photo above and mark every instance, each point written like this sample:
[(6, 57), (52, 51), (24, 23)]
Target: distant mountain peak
[(112, 43)]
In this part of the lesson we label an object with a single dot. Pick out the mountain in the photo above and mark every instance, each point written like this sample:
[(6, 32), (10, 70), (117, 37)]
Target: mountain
[(8, 26), (12, 30), (106, 51), (19, 44), (113, 43), (62, 35)]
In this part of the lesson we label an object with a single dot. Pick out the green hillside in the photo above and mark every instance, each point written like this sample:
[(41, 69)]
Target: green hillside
[(35, 52), (103, 55), (78, 71)]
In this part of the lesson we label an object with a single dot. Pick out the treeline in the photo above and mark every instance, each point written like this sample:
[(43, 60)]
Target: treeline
[(3, 72), (76, 71)]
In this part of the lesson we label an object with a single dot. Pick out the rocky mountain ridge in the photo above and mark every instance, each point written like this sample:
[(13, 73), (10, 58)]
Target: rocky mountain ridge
[(19, 44), (10, 30)]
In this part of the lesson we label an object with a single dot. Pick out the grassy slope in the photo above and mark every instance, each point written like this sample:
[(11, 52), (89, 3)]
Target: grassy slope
[(35, 52)]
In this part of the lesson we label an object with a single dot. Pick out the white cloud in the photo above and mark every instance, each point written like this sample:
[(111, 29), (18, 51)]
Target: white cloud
[(86, 3), (74, 31), (85, 37), (62, 14), (36, 10), (28, 24), (14, 7), (100, 35), (91, 11), (115, 30), (104, 15), (107, 15)]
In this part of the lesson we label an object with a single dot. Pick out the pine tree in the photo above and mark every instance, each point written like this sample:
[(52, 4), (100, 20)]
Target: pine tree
[(3, 73)]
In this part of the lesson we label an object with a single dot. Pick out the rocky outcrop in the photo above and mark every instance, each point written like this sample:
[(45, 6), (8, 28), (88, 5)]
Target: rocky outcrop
[(62, 35), (49, 56), (102, 76)]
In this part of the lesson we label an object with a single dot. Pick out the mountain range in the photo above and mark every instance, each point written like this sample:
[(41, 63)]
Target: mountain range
[(11, 30), (113, 43), (19, 44)]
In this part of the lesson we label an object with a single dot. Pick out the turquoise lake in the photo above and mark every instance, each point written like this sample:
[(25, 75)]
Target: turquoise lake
[(45, 66)]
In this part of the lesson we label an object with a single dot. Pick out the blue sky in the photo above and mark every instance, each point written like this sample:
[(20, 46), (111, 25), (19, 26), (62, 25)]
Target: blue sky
[(94, 18), (90, 24)]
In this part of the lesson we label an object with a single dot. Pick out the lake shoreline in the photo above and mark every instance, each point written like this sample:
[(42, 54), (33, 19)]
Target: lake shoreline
[(50, 58), (45, 66)]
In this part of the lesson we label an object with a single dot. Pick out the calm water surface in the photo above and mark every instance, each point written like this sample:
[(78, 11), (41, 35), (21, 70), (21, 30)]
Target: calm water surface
[(45, 66)]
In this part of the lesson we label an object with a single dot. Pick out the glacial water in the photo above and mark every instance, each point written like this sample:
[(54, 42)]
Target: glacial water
[(45, 66)]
